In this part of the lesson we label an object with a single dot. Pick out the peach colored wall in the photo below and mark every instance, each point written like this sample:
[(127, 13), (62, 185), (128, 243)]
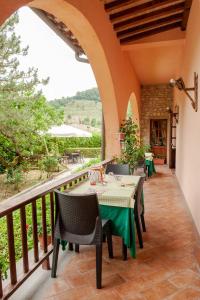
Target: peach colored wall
[(156, 62), (188, 129), (112, 68)]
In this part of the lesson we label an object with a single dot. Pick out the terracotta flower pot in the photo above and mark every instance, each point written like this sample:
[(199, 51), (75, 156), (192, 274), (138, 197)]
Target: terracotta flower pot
[(159, 161), (40, 238)]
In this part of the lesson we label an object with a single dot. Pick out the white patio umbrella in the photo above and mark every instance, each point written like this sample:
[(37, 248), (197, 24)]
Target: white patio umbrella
[(68, 131)]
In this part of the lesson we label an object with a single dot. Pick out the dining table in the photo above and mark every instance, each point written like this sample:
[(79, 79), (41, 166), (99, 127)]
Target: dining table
[(150, 166), (116, 201)]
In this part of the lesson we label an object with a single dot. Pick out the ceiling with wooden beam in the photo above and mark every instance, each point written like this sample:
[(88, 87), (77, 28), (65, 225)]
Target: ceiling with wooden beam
[(133, 20)]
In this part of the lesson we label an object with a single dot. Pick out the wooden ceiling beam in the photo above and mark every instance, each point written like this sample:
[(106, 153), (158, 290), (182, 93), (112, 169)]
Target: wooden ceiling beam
[(150, 26), (186, 13), (118, 5), (155, 15), (173, 8), (138, 36), (142, 9)]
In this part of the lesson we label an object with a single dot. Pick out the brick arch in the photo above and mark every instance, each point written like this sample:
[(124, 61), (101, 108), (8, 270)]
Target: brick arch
[(112, 68)]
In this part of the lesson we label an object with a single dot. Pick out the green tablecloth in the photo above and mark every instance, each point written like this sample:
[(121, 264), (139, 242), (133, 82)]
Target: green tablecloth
[(150, 166), (123, 224)]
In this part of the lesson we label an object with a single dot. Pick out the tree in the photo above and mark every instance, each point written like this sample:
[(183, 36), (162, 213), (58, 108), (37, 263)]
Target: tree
[(93, 122), (24, 110)]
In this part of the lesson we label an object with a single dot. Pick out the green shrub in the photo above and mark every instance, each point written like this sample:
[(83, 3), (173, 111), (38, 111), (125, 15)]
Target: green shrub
[(62, 143), (90, 163), (49, 164), (14, 176), (86, 152)]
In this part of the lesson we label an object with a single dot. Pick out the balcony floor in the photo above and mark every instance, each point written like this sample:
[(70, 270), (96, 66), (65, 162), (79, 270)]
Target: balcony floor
[(167, 267)]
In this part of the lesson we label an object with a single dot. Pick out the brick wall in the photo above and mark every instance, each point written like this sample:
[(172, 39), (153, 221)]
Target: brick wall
[(154, 100)]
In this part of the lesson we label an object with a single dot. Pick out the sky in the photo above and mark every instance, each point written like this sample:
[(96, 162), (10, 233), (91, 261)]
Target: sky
[(52, 57)]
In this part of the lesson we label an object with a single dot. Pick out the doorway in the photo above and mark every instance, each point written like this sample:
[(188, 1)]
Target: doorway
[(158, 138)]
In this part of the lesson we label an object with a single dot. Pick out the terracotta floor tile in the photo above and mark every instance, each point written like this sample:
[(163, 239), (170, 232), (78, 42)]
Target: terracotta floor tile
[(168, 267), (187, 294), (159, 291), (111, 295), (186, 278), (55, 286), (76, 294)]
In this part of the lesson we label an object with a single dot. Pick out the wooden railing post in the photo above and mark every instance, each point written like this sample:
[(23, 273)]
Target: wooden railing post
[(24, 239), (52, 216), (11, 249), (46, 263), (35, 235)]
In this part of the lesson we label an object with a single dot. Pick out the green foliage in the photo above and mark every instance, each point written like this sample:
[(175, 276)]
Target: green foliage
[(62, 144), (88, 164), (15, 176), (24, 111), (93, 122), (49, 164), (90, 94), (86, 152), (133, 150)]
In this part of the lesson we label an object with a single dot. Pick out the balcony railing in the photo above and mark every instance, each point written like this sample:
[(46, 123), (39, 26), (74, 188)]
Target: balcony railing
[(40, 195)]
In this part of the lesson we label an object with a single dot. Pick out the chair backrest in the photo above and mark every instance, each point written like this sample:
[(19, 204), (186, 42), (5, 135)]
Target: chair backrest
[(119, 169), (77, 213), (138, 196)]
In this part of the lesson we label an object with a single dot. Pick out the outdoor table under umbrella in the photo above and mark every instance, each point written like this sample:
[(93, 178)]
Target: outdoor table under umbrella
[(69, 131)]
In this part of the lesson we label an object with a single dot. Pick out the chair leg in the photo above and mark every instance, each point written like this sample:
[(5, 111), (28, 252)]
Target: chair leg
[(55, 257), (109, 242), (70, 246), (104, 237), (77, 248), (139, 233), (124, 250), (143, 222), (98, 265)]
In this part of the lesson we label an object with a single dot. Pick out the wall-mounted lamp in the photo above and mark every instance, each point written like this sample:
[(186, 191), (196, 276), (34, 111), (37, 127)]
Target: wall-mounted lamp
[(179, 83), (175, 113)]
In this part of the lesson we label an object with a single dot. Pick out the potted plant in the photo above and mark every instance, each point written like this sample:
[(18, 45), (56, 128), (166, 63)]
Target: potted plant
[(134, 150), (40, 235), (159, 160)]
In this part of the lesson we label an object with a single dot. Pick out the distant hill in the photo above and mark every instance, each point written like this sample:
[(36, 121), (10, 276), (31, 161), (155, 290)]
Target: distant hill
[(83, 109), (90, 95)]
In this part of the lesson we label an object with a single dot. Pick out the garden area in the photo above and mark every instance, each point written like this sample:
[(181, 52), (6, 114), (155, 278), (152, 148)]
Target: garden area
[(28, 154)]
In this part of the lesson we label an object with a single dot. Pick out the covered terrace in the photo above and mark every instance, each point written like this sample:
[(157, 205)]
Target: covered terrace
[(134, 48)]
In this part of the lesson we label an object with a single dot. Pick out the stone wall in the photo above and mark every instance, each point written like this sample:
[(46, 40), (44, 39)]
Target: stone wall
[(154, 100)]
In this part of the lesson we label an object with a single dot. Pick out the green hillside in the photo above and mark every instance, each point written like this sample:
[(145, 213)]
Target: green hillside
[(82, 109)]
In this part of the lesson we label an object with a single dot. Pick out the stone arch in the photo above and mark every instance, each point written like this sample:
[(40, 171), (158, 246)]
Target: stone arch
[(112, 68)]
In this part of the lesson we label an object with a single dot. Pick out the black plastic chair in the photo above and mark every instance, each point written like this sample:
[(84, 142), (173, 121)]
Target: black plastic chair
[(123, 169), (78, 221), (138, 216), (118, 169), (140, 169)]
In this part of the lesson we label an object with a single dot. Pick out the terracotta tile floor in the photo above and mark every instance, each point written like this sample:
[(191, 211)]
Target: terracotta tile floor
[(167, 267)]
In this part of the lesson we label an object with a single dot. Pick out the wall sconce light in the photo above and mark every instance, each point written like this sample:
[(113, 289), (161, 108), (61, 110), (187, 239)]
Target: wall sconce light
[(179, 83), (174, 114)]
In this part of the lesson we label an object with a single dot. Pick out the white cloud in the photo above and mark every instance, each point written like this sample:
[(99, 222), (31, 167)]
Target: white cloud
[(52, 57)]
